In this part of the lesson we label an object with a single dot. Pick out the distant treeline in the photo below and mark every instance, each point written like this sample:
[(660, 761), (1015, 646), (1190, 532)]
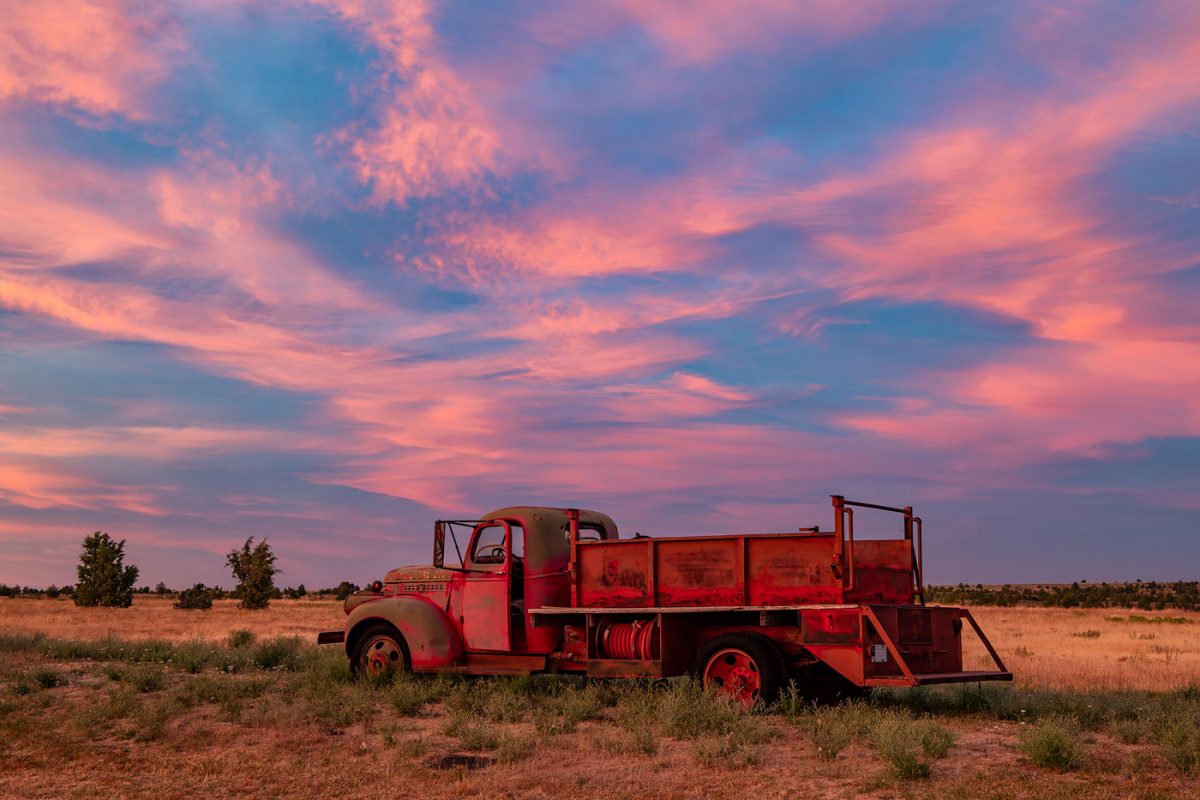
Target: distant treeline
[(341, 591), (1146, 595)]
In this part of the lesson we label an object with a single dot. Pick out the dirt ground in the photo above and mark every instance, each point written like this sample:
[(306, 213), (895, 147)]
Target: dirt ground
[(97, 732)]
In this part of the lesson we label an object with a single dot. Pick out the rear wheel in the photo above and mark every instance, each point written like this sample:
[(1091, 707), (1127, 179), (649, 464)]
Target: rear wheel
[(379, 651), (746, 666)]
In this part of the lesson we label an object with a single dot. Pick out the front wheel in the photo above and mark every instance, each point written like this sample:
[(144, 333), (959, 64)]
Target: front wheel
[(379, 651), (746, 666)]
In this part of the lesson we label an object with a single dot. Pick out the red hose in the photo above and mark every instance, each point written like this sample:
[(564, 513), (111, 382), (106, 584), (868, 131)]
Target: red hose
[(637, 640)]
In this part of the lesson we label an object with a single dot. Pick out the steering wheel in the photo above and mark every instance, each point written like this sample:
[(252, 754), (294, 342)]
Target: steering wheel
[(496, 554)]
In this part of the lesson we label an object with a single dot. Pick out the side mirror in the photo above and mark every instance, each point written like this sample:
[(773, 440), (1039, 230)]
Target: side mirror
[(439, 545)]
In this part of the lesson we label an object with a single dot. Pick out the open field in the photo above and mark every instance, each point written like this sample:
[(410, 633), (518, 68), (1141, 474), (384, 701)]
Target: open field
[(1049, 648), (169, 708)]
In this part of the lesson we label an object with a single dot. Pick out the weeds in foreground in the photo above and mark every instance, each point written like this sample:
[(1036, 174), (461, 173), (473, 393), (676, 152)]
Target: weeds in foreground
[(910, 746), (1181, 742), (642, 742), (686, 712), (241, 638), (39, 678), (831, 729), (512, 748), (1052, 743)]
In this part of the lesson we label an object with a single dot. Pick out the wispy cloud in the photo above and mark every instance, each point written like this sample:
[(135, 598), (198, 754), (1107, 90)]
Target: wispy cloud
[(406, 259)]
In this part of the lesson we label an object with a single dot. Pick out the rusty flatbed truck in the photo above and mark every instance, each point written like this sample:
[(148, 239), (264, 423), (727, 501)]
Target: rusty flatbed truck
[(556, 590)]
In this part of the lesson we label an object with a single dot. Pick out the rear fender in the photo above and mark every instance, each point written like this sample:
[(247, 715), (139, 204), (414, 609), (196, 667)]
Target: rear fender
[(431, 638)]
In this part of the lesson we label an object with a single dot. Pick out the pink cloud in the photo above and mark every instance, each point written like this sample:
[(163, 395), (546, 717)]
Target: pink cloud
[(101, 56), (432, 133)]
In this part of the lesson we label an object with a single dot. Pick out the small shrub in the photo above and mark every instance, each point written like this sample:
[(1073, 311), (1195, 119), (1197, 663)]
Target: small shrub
[(38, 678), (199, 597), (409, 696), (339, 706), (280, 653), (1052, 743), (193, 656), (640, 741), (414, 747), (726, 752), (241, 638), (1091, 633), (636, 711), (549, 722), (464, 701), (120, 703), (152, 720), (1129, 731), (507, 706), (477, 737), (48, 677), (687, 712), (328, 666), (898, 740), (512, 748), (832, 729), (1181, 742), (791, 702), (145, 679), (830, 734)]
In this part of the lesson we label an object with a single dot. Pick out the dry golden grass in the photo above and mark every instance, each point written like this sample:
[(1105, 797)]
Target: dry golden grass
[(152, 616), (1037, 644), (1058, 648), (102, 729)]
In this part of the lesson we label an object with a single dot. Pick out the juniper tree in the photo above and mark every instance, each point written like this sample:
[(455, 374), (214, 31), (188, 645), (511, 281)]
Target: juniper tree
[(254, 569), (103, 578)]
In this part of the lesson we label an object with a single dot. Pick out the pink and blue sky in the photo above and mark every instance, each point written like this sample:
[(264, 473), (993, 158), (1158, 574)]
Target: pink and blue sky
[(323, 271)]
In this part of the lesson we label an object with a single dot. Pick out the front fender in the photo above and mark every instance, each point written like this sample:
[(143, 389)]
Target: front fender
[(431, 638)]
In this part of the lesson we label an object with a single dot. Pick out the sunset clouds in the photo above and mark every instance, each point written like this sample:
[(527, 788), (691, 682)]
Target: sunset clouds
[(322, 271)]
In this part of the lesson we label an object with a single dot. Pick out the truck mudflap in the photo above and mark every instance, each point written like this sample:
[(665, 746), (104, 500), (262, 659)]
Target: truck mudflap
[(331, 637)]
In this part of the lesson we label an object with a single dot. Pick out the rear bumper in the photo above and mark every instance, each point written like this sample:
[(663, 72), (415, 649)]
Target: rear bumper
[(929, 679), (331, 637)]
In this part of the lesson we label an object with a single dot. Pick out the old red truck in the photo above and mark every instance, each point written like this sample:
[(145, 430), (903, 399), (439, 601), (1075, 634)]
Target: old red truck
[(534, 590)]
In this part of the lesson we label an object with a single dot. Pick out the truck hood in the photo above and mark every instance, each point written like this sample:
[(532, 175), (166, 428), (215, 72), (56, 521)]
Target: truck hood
[(417, 574)]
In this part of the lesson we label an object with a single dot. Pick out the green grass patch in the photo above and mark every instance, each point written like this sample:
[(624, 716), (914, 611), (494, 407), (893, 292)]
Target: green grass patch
[(1053, 743), (910, 746)]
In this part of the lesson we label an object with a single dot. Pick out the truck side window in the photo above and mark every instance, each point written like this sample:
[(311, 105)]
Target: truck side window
[(489, 545), (590, 532)]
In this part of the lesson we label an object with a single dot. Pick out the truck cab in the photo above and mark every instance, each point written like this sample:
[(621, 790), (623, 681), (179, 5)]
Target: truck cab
[(474, 599)]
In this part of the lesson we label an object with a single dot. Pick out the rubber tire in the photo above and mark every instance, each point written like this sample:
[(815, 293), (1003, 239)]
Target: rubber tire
[(772, 670), (371, 632)]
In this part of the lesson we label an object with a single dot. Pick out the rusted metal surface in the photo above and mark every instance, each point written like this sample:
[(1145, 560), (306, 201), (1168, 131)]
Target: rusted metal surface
[(624, 668), (540, 589)]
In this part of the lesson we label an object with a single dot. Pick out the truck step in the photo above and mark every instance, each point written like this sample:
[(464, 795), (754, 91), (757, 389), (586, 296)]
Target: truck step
[(961, 677)]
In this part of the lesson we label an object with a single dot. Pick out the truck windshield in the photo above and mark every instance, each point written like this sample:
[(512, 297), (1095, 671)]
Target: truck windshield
[(489, 544)]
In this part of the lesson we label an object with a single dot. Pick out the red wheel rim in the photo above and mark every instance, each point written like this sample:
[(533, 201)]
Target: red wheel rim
[(381, 656), (735, 673)]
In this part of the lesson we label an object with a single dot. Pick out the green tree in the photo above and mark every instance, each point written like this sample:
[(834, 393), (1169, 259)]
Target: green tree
[(103, 578), (254, 569)]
